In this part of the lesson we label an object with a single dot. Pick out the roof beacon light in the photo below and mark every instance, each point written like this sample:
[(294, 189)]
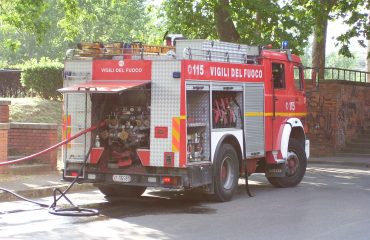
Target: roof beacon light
[(284, 45)]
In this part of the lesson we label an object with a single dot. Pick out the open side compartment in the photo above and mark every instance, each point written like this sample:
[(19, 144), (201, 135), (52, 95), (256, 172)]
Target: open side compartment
[(227, 106), (125, 107), (198, 122), (127, 117)]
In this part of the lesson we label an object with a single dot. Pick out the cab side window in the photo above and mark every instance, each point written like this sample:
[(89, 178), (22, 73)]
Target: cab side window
[(298, 78), (278, 75)]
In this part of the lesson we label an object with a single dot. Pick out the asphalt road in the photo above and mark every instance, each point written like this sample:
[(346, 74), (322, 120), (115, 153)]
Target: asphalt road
[(332, 202)]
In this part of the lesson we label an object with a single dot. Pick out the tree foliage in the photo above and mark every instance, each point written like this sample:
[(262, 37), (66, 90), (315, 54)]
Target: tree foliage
[(353, 13), (24, 15), (256, 22), (270, 21), (37, 28), (97, 20), (67, 22)]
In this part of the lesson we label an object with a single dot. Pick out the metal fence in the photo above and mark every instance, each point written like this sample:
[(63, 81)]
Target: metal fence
[(340, 74)]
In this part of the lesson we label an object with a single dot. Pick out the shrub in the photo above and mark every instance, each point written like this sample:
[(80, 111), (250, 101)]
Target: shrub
[(10, 83), (43, 77)]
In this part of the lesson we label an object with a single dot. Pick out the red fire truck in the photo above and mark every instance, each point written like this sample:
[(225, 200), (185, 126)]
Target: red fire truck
[(201, 114)]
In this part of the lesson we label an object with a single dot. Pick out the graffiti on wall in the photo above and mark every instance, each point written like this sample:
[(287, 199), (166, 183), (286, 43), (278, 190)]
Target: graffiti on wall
[(337, 113), (351, 113), (319, 120), (347, 115)]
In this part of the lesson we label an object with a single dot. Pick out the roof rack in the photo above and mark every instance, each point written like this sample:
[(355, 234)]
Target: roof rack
[(206, 50), (218, 51), (117, 50)]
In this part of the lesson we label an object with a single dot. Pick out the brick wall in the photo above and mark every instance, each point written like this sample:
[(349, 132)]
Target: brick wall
[(4, 141), (28, 138), (337, 112), (4, 113), (4, 127)]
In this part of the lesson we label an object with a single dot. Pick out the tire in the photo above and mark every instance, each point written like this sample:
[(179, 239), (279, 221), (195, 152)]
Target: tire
[(115, 190), (295, 166), (226, 173)]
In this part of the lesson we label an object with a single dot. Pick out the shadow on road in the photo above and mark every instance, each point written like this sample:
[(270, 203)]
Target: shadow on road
[(156, 202)]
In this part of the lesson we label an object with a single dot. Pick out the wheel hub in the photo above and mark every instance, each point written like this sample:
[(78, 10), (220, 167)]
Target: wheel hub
[(226, 173), (292, 163)]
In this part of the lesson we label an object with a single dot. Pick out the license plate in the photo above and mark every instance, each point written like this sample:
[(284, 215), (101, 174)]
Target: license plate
[(122, 178), (152, 179)]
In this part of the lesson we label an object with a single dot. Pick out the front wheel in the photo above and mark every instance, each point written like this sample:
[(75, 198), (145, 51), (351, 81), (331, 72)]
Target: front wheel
[(226, 173), (295, 166), (115, 190)]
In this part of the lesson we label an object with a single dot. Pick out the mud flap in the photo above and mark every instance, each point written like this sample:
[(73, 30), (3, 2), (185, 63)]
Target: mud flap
[(198, 176)]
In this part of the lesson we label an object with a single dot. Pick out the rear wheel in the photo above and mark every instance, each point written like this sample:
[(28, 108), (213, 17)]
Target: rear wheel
[(115, 190), (295, 166), (226, 173)]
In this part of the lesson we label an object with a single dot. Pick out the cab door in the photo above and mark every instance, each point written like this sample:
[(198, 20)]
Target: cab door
[(289, 98), (281, 98), (299, 91)]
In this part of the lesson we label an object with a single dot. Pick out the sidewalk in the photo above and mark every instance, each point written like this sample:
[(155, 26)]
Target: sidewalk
[(39, 183), (36, 182), (354, 161)]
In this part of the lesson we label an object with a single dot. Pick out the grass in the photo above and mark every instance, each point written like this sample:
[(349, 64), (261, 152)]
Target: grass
[(35, 110)]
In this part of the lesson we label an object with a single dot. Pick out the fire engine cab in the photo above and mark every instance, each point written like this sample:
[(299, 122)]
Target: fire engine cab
[(201, 114)]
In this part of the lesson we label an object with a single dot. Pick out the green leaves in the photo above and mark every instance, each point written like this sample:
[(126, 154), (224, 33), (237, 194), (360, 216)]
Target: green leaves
[(356, 18), (43, 77), (256, 22), (36, 28), (353, 14), (12, 45), (193, 19), (72, 16), (25, 15), (53, 26), (269, 21)]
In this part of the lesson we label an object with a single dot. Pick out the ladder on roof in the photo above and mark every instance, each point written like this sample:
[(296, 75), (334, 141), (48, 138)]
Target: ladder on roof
[(206, 50), (217, 51), (116, 49)]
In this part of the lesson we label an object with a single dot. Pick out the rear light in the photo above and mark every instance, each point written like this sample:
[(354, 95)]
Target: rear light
[(173, 181), (69, 173), (74, 174), (166, 180)]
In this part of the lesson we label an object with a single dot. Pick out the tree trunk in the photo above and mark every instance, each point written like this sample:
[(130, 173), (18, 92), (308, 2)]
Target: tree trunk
[(259, 24), (320, 33), (224, 24), (319, 45), (368, 49), (368, 60)]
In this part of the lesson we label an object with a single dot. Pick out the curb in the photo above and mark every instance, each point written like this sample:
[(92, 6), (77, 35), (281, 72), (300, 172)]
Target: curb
[(30, 169), (46, 191), (351, 164)]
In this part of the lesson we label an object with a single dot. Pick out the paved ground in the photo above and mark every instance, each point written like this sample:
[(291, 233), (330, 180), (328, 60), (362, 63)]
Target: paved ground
[(346, 161), (330, 203), (35, 185), (37, 182)]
